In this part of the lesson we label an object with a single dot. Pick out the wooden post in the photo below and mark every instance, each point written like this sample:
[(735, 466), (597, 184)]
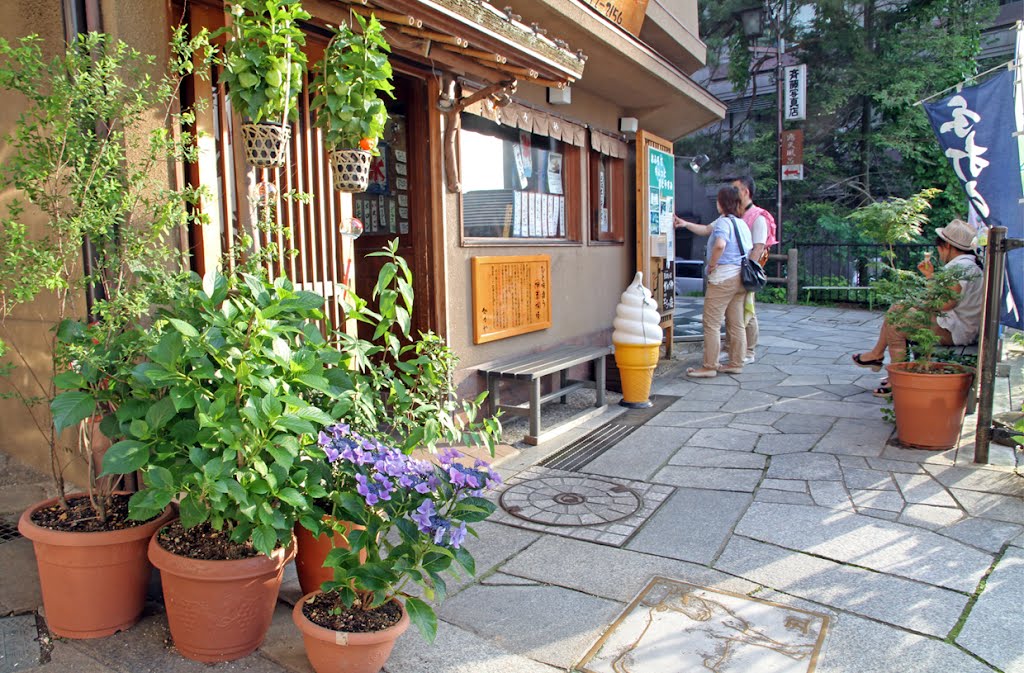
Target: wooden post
[(792, 288)]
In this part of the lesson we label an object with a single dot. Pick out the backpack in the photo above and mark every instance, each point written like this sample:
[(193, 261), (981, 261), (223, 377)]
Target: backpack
[(770, 220)]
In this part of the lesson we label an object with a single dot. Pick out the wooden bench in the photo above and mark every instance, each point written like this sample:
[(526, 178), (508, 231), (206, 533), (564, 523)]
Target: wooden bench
[(531, 369)]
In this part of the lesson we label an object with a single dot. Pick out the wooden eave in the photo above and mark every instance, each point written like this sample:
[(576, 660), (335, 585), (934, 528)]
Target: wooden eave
[(465, 36)]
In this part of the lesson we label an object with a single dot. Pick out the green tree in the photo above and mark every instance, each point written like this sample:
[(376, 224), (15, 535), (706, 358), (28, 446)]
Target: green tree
[(864, 139)]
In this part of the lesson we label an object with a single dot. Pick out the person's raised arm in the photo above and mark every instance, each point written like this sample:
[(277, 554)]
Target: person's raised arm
[(699, 229)]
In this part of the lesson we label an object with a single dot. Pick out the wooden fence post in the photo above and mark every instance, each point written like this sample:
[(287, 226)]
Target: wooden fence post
[(792, 289)]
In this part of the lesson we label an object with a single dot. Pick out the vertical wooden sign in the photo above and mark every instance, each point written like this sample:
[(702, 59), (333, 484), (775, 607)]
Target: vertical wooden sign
[(655, 208)]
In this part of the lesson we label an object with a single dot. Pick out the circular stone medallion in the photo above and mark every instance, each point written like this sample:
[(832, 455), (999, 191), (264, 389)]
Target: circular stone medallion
[(570, 501)]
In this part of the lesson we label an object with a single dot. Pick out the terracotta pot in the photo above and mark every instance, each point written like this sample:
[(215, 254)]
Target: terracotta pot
[(219, 610), (312, 552), (929, 407), (93, 584), (332, 651)]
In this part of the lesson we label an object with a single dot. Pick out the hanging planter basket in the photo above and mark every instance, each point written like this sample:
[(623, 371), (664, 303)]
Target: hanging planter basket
[(351, 169), (266, 143)]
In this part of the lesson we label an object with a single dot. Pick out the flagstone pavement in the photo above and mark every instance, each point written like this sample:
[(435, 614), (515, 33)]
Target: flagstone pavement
[(778, 484)]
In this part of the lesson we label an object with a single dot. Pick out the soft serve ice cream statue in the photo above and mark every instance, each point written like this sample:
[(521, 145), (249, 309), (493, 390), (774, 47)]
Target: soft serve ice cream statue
[(637, 339)]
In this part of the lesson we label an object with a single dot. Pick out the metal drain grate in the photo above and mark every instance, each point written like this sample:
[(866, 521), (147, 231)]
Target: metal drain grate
[(588, 447), (8, 530)]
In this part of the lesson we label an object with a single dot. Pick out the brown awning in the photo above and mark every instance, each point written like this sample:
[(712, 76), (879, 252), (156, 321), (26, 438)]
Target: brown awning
[(606, 144), (467, 37), (521, 117)]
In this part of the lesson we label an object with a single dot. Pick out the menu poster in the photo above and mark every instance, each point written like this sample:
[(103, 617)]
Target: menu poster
[(402, 169), (374, 216), (403, 227), (544, 215), (393, 213), (403, 213), (517, 213), (534, 214), (562, 226), (402, 184), (553, 215), (403, 199), (526, 148), (555, 172), (400, 156), (517, 154), (384, 223)]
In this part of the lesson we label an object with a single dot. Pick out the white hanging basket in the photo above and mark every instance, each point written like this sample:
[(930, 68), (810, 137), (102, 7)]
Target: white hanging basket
[(351, 170), (266, 143)]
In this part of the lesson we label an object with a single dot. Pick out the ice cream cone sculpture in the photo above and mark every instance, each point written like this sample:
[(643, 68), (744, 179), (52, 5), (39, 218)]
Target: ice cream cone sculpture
[(637, 340)]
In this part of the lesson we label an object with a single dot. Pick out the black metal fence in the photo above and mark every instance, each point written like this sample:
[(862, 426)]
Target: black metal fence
[(844, 272)]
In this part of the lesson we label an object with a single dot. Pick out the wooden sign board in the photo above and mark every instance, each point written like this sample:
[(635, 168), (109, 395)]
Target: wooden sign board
[(626, 14), (511, 296)]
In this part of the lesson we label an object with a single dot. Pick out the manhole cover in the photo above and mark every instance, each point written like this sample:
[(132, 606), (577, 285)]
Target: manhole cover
[(570, 501)]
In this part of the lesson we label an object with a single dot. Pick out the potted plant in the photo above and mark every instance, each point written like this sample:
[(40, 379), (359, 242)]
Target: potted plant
[(412, 517), (221, 419), (85, 158), (354, 72), (398, 386), (929, 397), (263, 66)]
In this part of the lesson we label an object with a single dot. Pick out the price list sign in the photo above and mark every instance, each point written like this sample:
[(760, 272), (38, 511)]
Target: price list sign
[(511, 296)]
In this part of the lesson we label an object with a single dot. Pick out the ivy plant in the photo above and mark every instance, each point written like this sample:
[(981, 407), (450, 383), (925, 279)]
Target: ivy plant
[(86, 164), (355, 71), (220, 415), (263, 62)]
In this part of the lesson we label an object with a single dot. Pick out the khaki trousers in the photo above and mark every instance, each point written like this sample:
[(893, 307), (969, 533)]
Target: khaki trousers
[(724, 301)]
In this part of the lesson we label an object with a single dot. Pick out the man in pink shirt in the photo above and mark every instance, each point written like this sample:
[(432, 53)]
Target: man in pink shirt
[(762, 235)]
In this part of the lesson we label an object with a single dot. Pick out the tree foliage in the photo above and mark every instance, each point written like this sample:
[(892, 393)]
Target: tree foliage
[(864, 139)]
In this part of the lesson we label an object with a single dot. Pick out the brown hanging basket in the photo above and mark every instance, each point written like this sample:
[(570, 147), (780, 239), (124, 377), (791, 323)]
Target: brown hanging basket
[(266, 143), (351, 169)]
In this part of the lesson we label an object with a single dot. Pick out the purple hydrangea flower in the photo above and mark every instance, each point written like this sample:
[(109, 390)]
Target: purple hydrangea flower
[(457, 535), (423, 516)]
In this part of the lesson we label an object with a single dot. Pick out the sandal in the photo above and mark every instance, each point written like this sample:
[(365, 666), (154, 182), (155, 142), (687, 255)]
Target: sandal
[(731, 370), (873, 365), (701, 373), (884, 391)]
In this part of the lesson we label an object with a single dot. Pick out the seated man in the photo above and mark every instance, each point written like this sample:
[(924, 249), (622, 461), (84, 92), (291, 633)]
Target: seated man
[(959, 321)]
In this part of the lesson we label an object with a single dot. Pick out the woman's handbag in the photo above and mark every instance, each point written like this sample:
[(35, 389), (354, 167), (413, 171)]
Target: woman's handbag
[(752, 274)]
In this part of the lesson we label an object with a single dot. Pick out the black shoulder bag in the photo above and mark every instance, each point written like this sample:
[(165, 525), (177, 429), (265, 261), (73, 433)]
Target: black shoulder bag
[(752, 274)]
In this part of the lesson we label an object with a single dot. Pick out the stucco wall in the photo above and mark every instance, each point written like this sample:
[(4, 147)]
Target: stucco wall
[(144, 26), (586, 280)]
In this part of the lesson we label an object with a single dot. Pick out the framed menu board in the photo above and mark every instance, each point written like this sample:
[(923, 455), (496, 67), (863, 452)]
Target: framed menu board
[(655, 231), (511, 296)]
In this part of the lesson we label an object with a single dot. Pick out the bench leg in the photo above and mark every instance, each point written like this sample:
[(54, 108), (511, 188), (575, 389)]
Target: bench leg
[(563, 380), (599, 380), (535, 407), (493, 394)]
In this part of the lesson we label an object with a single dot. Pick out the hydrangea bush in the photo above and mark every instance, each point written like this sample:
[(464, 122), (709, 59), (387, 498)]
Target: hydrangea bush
[(411, 517)]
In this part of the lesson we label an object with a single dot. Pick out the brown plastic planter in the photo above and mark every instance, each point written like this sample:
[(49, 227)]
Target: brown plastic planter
[(929, 407), (93, 584), (219, 610), (331, 651), (312, 552)]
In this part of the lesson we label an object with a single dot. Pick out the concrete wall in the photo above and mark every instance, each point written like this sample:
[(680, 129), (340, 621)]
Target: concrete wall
[(586, 280), (144, 26)]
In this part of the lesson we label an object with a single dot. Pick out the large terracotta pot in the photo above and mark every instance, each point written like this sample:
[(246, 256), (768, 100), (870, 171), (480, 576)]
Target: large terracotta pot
[(929, 407), (219, 610), (93, 584), (331, 651), (312, 552)]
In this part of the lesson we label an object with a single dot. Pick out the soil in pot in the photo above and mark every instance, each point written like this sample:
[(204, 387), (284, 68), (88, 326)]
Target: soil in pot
[(929, 401), (93, 578), (328, 611), (348, 651), (219, 608)]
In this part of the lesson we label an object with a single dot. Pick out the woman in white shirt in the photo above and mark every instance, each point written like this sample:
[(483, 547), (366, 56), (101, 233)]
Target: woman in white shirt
[(959, 321)]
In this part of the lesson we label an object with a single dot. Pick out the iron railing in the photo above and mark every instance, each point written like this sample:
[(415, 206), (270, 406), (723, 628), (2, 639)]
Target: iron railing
[(844, 272)]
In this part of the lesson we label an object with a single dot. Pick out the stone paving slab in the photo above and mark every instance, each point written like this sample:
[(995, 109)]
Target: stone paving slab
[(993, 629), (691, 419), (616, 574), (698, 456), (724, 438), (457, 650), (786, 497), (900, 602), (923, 490), (836, 409), (712, 478), (805, 466), (773, 445), (878, 545), (796, 485), (901, 466), (863, 437), (990, 505), (930, 517), (868, 479), (692, 525), (888, 501), (792, 424), (978, 479), (19, 646), (983, 533), (640, 454), (17, 559), (549, 624)]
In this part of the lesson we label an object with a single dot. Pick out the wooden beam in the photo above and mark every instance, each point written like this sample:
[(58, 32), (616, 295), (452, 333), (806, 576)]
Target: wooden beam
[(388, 17), (483, 55), (434, 36)]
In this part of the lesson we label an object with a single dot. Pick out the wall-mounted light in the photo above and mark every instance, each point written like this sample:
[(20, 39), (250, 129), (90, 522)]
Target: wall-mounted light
[(558, 96), (628, 124), (698, 162)]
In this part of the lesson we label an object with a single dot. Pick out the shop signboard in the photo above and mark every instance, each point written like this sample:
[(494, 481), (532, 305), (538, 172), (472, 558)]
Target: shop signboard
[(793, 155), (511, 296), (655, 213), (626, 14)]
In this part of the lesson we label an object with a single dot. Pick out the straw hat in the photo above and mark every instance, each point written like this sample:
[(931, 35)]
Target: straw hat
[(958, 234)]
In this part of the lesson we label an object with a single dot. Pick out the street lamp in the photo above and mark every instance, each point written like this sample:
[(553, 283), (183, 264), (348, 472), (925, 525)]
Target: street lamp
[(753, 20)]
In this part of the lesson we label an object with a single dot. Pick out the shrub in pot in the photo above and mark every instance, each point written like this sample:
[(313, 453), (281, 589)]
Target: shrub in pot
[(263, 68), (929, 397), (86, 160), (412, 518), (220, 418), (399, 386), (353, 74)]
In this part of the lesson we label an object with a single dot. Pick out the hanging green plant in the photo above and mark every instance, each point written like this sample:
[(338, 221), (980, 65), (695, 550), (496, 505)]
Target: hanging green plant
[(355, 71), (263, 65)]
